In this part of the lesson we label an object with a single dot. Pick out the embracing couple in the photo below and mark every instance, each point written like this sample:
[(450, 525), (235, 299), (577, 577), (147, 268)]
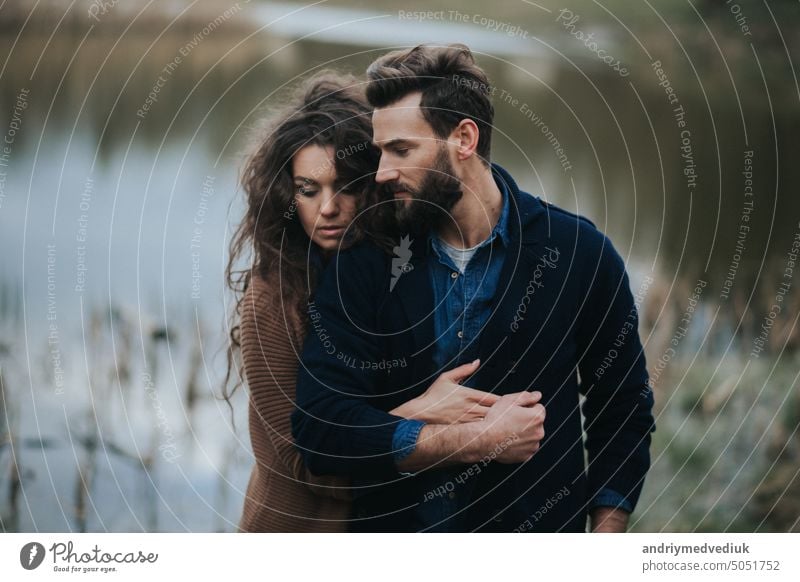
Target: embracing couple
[(427, 347)]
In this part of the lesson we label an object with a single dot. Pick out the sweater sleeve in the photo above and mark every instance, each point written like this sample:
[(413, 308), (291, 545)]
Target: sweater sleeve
[(337, 425), (270, 360), (614, 379)]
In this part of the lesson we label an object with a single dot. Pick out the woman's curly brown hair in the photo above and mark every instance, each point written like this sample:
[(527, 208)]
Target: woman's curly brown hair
[(329, 109)]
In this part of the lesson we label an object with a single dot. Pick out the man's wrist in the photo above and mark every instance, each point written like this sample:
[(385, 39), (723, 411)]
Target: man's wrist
[(609, 520), (472, 441)]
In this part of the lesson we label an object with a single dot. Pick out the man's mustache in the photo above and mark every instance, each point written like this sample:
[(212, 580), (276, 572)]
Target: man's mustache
[(394, 187)]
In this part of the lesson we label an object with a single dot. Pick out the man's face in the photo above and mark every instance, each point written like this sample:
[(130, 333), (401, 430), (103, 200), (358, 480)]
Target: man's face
[(415, 165)]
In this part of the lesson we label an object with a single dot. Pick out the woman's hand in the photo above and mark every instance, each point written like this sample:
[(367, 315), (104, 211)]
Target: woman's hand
[(447, 402)]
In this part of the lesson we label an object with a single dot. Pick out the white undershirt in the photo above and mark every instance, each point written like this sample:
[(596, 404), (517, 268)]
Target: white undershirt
[(461, 257)]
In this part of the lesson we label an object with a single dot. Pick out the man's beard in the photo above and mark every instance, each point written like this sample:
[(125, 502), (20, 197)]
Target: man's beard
[(431, 202)]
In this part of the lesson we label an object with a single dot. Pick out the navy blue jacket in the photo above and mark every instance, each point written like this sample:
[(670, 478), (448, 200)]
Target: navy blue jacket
[(563, 322)]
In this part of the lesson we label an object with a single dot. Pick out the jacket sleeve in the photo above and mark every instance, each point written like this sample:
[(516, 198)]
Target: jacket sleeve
[(269, 354), (336, 424), (614, 380)]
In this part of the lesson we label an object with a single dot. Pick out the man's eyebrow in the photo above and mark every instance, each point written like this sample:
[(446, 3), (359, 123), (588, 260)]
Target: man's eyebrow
[(393, 142)]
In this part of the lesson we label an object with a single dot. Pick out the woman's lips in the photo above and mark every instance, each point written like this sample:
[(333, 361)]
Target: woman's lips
[(331, 230)]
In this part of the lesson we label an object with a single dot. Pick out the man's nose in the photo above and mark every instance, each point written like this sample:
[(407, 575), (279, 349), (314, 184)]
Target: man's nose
[(385, 172)]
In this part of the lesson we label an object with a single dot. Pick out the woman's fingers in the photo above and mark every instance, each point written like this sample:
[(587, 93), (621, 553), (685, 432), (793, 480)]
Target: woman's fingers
[(476, 412), (480, 397), (462, 372)]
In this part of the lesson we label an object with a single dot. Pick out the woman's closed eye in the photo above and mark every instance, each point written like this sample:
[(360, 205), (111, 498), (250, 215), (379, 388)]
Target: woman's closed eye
[(305, 190)]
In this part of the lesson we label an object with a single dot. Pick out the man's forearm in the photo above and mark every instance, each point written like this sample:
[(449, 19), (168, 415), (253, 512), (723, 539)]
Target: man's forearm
[(443, 445)]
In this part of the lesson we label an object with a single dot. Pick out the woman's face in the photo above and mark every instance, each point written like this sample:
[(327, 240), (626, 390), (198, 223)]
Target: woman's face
[(324, 213)]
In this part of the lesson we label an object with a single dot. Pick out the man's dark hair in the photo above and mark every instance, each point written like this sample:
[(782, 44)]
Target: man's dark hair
[(453, 88)]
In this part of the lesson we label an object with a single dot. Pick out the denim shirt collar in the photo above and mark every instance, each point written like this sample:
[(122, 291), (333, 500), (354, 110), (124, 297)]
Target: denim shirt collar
[(500, 229)]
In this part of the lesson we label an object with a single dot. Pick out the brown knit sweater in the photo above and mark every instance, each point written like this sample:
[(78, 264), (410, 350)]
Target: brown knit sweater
[(282, 495)]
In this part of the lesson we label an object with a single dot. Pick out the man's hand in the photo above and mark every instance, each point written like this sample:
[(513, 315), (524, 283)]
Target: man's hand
[(516, 419), (609, 520), (447, 402)]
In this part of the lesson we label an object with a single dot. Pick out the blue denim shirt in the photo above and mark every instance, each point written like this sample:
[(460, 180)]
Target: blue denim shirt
[(463, 305), (463, 300)]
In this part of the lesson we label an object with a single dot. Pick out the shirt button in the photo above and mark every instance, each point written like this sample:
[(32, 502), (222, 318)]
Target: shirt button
[(451, 495), (454, 275), (460, 334)]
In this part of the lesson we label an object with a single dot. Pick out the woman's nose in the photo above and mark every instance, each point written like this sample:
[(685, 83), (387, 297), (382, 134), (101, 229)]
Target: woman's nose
[(330, 204)]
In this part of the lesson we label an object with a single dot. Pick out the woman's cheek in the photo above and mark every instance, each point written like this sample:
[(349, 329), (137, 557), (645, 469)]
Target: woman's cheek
[(306, 211)]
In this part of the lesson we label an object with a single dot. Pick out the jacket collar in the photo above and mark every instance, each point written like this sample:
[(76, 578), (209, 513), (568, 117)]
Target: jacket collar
[(527, 213)]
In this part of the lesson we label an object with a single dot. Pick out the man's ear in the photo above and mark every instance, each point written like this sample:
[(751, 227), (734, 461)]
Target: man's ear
[(465, 136)]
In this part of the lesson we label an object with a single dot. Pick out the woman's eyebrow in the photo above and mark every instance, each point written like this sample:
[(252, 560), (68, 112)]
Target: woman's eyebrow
[(304, 179)]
